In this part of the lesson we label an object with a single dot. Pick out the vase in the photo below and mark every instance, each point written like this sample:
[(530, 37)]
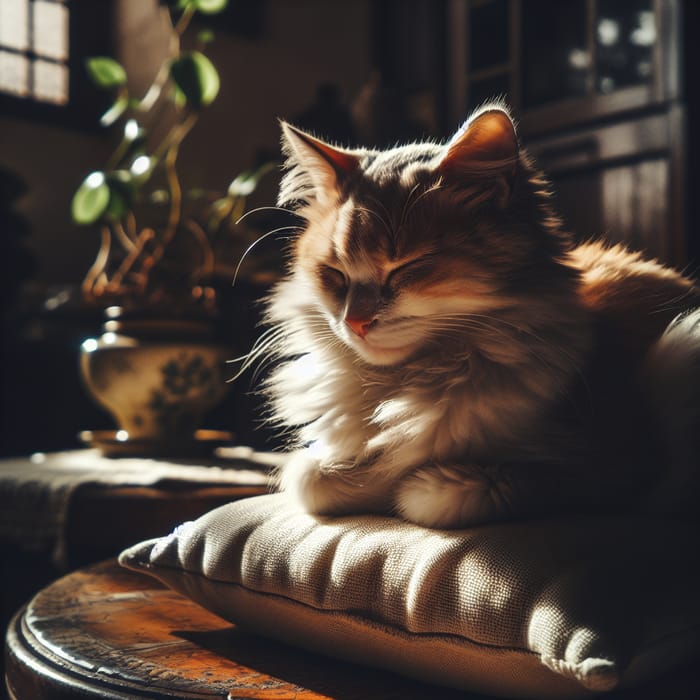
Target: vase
[(158, 375)]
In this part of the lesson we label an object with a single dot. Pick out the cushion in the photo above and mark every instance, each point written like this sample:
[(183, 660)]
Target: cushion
[(540, 609)]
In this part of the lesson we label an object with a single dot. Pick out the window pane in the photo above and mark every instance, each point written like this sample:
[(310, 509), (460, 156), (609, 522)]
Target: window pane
[(50, 30), (14, 73), (50, 82), (556, 60), (625, 38), (489, 35), (14, 24)]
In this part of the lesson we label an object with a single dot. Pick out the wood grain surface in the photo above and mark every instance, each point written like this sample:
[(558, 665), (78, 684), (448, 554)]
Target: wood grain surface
[(105, 632)]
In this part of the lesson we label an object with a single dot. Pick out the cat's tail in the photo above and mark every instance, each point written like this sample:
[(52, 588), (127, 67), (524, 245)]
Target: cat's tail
[(673, 378)]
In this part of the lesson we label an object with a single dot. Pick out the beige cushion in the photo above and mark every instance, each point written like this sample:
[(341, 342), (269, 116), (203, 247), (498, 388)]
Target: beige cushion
[(535, 609)]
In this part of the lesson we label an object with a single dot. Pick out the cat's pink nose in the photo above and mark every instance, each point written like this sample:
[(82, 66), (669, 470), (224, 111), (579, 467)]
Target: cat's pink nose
[(359, 326)]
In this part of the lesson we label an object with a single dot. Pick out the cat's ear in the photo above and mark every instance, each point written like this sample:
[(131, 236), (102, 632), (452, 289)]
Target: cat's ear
[(317, 169), (484, 149)]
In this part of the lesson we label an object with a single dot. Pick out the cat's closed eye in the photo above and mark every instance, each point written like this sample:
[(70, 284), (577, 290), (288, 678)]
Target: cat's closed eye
[(332, 278), (408, 271)]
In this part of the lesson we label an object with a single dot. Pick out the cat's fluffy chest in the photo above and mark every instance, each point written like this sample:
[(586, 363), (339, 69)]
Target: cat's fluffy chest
[(401, 417)]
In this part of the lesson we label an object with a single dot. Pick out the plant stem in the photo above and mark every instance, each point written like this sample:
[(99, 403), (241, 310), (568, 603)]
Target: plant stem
[(207, 266), (123, 147), (122, 236), (98, 266), (146, 235), (170, 163), (153, 92), (184, 20)]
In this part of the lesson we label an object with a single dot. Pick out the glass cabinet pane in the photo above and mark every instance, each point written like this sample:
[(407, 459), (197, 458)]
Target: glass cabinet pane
[(557, 62), (625, 39), (489, 43)]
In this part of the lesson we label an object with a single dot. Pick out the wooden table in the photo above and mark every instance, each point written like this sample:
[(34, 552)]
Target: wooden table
[(105, 632), (102, 506)]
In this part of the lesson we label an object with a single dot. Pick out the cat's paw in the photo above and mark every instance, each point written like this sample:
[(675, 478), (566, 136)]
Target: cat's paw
[(303, 480), (450, 497), (333, 490)]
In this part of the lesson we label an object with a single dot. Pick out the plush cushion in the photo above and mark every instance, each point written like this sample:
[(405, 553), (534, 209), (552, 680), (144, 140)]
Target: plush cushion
[(532, 609)]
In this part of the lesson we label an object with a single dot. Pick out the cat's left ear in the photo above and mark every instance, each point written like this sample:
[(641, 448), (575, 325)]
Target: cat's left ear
[(319, 166), (484, 149)]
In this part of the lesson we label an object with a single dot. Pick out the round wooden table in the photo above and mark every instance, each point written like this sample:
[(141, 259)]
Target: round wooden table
[(105, 632)]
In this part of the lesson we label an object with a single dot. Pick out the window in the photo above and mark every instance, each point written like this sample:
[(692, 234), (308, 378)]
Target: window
[(34, 50), (43, 47)]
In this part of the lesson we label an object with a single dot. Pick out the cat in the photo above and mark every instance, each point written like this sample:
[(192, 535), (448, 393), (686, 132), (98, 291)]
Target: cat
[(444, 352)]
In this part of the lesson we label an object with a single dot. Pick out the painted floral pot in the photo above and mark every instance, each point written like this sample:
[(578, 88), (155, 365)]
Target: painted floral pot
[(158, 377)]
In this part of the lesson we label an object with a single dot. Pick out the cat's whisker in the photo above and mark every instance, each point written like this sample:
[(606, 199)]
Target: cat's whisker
[(406, 210), (433, 188), (671, 304), (260, 352), (255, 243), (257, 210), (379, 218), (457, 324), (519, 328), (573, 362)]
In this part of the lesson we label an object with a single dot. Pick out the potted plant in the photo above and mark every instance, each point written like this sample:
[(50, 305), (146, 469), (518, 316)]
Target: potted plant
[(158, 366)]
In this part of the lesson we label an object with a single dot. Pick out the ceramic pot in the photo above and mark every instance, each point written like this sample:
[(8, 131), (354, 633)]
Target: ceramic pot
[(157, 376)]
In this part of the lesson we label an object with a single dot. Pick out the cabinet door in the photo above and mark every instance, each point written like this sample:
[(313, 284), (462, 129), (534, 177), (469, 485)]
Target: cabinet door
[(619, 182), (562, 63)]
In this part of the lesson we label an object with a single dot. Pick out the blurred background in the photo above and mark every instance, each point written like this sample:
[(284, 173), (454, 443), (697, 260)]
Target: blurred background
[(604, 92)]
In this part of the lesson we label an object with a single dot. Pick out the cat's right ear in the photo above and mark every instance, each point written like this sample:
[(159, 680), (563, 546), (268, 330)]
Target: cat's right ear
[(316, 170), (484, 150)]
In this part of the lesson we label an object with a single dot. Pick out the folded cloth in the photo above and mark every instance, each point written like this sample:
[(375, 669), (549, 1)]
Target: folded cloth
[(36, 491)]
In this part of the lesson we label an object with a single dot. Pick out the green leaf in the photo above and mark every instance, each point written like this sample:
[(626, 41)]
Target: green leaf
[(243, 185), (91, 199), (121, 193), (205, 36), (119, 106), (210, 7), (195, 78), (105, 72), (247, 181), (219, 210), (118, 205)]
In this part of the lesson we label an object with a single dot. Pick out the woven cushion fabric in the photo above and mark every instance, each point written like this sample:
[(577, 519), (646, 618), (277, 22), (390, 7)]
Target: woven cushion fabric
[(532, 609)]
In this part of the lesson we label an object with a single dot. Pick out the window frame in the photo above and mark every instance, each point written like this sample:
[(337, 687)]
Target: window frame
[(89, 34)]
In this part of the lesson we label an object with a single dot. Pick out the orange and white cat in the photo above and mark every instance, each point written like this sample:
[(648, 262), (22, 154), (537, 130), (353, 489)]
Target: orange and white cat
[(445, 352)]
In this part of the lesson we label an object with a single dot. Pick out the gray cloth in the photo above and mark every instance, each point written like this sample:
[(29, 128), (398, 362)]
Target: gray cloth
[(36, 491)]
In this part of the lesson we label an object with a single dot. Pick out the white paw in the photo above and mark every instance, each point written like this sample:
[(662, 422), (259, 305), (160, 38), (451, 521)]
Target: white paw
[(302, 479), (449, 497), (331, 490)]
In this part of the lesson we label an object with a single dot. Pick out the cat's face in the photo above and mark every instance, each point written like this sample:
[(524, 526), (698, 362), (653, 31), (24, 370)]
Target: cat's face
[(387, 287), (402, 247)]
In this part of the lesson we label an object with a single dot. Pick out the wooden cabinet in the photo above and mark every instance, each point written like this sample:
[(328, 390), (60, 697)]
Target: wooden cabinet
[(597, 88)]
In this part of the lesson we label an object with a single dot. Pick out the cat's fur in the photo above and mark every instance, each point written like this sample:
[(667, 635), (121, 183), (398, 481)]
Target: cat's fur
[(446, 353)]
